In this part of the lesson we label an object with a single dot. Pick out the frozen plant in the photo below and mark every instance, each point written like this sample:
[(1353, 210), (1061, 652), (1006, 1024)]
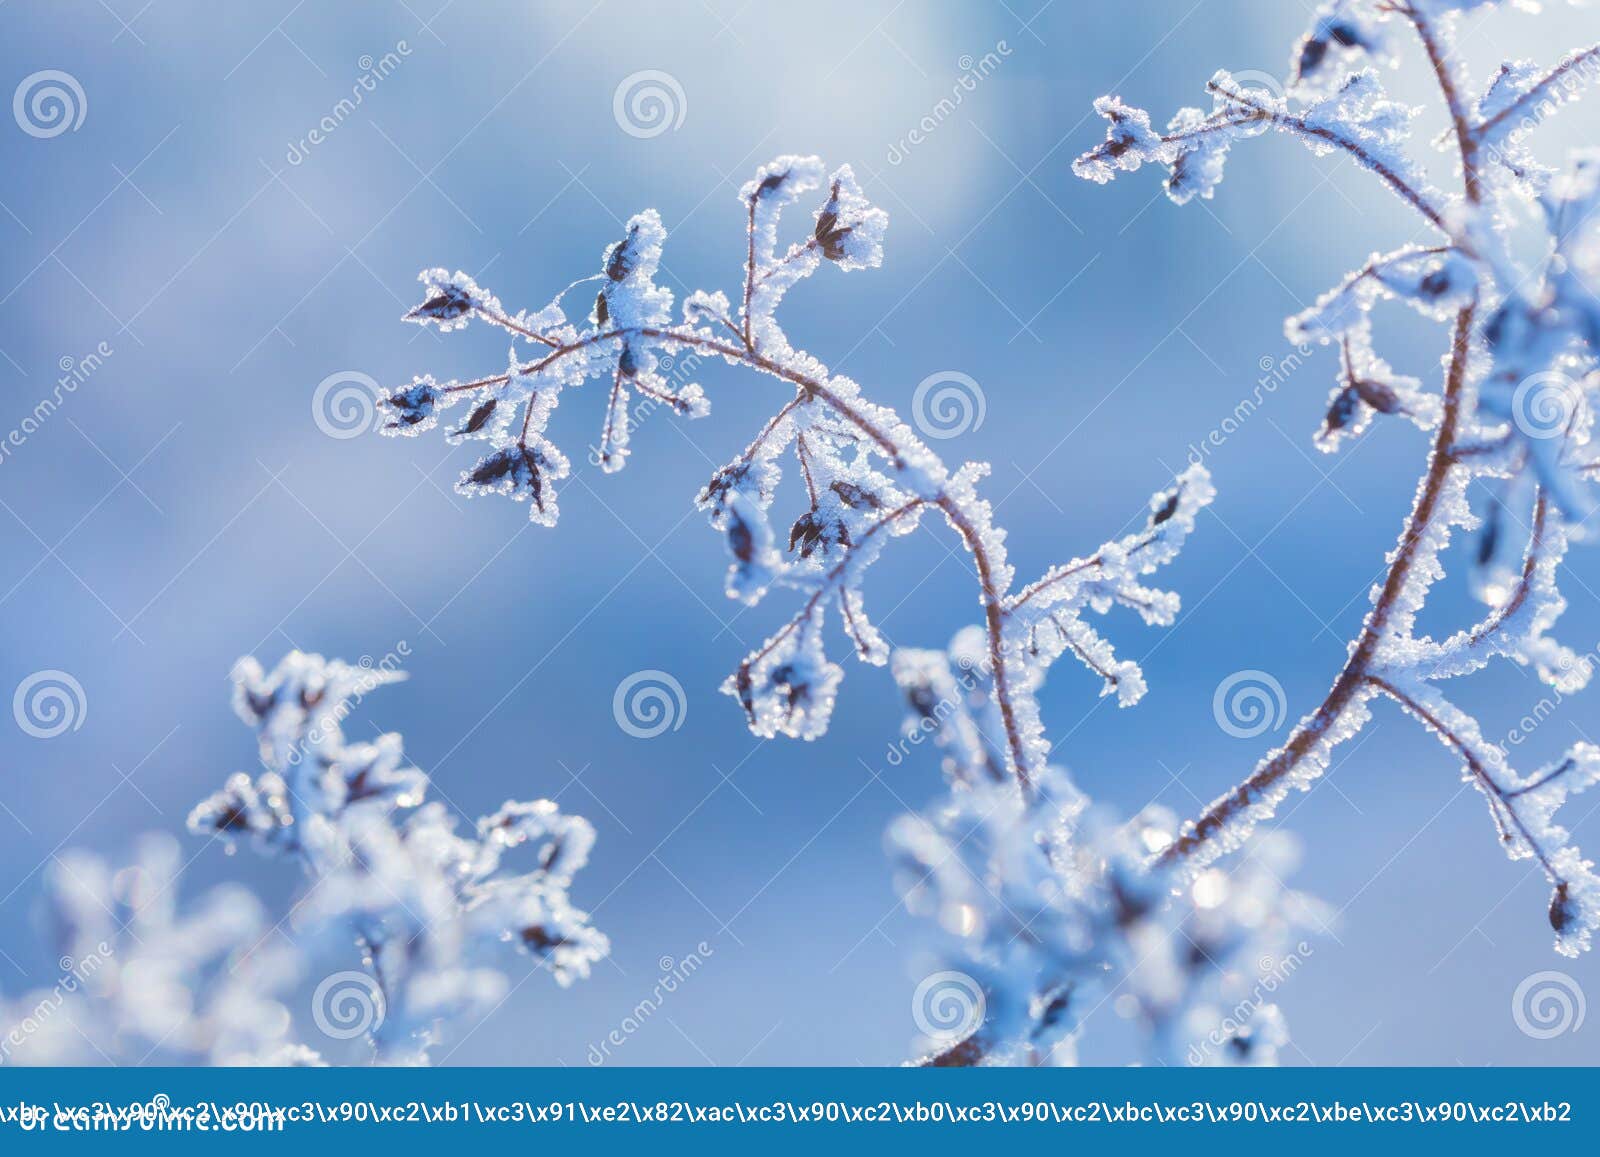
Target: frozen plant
[(145, 981), (1514, 409), (428, 906), (867, 476), (1008, 852)]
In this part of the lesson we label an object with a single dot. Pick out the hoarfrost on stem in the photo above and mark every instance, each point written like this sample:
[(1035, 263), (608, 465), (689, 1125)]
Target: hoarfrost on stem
[(1515, 410)]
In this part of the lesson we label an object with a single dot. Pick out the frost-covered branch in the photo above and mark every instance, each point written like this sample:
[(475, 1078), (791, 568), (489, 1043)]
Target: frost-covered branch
[(390, 884), (867, 477), (427, 905), (1515, 406)]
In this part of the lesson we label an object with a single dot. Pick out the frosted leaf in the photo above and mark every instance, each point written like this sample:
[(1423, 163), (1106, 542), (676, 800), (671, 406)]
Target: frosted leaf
[(562, 842), (756, 562), (1368, 385), (1360, 111), (1130, 143), (1436, 281), (849, 229), (375, 774), (245, 807), (410, 411), (1341, 34), (522, 473), (788, 685), (449, 300), (701, 307), (946, 699)]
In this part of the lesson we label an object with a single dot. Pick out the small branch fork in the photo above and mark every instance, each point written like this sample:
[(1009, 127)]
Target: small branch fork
[(812, 389)]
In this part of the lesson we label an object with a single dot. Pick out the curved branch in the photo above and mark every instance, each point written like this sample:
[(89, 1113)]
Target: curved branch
[(1347, 686)]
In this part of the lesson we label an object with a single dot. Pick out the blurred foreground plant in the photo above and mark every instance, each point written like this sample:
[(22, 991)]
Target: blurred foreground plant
[(427, 908)]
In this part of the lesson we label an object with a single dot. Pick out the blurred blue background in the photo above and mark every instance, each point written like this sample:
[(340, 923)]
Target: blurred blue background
[(183, 507)]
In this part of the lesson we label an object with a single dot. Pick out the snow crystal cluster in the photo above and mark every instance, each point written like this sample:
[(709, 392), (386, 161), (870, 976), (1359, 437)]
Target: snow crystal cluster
[(391, 884), (1054, 912), (1514, 410)]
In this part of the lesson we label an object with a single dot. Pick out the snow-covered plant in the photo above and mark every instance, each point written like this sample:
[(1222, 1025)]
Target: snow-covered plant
[(1050, 905), (428, 906), (1514, 409), (867, 476), (145, 981), (1053, 909)]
